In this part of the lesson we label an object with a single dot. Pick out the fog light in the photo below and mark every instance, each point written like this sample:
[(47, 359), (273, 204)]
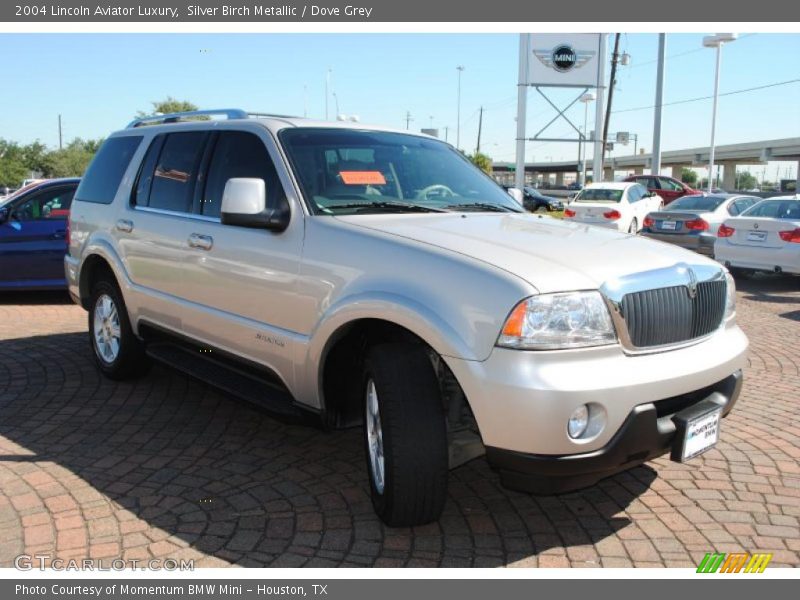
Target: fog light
[(578, 422)]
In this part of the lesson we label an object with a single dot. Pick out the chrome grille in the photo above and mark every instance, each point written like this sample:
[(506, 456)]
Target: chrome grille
[(670, 315)]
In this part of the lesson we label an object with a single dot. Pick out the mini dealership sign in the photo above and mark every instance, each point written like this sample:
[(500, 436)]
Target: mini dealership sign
[(564, 59)]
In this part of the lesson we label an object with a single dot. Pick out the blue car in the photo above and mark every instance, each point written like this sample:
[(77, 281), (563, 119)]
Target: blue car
[(33, 235)]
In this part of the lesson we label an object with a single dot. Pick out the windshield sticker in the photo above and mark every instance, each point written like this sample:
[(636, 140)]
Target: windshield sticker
[(362, 177)]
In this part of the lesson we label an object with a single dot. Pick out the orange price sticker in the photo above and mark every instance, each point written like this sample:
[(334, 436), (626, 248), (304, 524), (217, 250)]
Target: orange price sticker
[(362, 177)]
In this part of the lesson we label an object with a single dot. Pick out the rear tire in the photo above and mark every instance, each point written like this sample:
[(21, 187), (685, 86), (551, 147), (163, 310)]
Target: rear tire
[(118, 353), (633, 228), (405, 435), (740, 273)]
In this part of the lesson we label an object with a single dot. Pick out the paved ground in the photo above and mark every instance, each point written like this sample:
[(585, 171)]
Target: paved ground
[(165, 467)]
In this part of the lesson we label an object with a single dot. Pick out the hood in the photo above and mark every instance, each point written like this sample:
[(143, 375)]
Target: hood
[(550, 254)]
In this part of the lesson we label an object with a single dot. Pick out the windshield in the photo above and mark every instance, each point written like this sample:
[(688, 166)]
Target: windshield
[(777, 209), (708, 203), (344, 171), (599, 195)]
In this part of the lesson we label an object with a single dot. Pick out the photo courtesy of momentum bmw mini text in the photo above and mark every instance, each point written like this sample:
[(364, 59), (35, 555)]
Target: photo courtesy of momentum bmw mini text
[(399, 299)]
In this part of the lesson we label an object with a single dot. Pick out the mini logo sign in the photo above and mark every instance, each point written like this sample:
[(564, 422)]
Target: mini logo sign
[(564, 58), (736, 562)]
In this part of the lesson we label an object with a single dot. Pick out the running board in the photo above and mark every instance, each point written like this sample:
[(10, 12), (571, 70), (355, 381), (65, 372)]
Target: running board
[(227, 378)]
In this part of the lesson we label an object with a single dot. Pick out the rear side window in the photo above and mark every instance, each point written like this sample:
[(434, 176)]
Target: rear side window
[(105, 173), (777, 209), (175, 172), (239, 154)]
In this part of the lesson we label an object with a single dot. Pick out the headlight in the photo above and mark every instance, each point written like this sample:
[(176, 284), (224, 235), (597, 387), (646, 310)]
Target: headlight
[(730, 299), (554, 321)]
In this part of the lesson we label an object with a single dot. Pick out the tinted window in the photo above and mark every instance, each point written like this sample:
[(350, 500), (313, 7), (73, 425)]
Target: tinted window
[(647, 182), (175, 173), (239, 154), (599, 195), (636, 193), (777, 209), (145, 180), (668, 184), (105, 173), (53, 203), (708, 203)]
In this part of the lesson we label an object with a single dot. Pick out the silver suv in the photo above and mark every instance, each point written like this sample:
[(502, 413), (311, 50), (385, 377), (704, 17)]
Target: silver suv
[(375, 278)]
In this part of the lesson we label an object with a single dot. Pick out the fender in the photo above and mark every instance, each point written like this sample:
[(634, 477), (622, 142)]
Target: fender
[(400, 310)]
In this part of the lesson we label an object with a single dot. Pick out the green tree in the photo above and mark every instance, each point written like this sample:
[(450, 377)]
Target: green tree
[(688, 176), (168, 105), (746, 181), (72, 160), (13, 166), (482, 161)]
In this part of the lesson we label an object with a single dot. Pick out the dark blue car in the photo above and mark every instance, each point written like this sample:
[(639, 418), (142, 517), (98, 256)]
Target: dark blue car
[(33, 235)]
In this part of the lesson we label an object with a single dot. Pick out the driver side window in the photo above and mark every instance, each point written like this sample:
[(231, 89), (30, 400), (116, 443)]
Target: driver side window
[(46, 205)]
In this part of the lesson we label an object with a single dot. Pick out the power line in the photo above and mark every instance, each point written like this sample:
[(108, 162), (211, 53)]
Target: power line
[(732, 93), (684, 53)]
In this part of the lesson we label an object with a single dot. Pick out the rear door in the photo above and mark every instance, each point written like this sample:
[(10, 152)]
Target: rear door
[(33, 238), (669, 190)]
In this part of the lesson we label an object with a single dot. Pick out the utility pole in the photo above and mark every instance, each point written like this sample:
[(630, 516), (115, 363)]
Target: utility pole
[(614, 61), (408, 118), (460, 70), (60, 141), (327, 85), (480, 126), (446, 132), (655, 166)]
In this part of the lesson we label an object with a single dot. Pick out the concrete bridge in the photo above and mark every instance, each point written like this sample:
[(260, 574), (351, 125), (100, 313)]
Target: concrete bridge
[(727, 156)]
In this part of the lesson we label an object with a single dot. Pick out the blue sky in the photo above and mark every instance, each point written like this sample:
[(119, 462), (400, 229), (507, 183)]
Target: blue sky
[(98, 81)]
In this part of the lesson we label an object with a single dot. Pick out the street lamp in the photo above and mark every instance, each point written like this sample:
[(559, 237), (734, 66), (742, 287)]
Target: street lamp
[(586, 98), (715, 41), (336, 99), (460, 70)]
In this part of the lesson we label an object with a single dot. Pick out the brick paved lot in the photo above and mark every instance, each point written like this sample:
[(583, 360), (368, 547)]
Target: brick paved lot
[(165, 467)]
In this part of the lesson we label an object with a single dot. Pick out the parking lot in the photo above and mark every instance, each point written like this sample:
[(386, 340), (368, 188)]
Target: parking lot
[(166, 467)]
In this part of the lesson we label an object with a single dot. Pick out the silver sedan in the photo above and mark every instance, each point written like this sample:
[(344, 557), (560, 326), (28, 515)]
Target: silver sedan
[(692, 221)]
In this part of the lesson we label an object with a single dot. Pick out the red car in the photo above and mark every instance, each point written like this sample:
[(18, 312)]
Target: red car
[(667, 187)]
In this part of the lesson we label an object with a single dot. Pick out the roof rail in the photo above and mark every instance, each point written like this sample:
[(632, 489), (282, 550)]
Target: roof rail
[(229, 113)]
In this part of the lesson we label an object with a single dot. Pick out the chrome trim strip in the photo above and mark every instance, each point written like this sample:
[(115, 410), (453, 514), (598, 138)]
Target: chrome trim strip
[(177, 213), (680, 274)]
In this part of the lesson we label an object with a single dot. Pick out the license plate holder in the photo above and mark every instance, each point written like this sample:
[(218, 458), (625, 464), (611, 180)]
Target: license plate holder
[(697, 430), (756, 236), (670, 225)]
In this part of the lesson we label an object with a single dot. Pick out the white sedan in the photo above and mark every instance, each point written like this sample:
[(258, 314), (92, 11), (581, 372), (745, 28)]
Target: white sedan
[(765, 237), (619, 205)]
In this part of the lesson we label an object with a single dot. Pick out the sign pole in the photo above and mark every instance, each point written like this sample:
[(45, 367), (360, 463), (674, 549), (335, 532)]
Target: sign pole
[(522, 109), (656, 165), (597, 167)]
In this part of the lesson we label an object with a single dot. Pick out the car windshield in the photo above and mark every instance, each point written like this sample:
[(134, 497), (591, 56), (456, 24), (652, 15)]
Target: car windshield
[(707, 203), (345, 171), (599, 195), (777, 209)]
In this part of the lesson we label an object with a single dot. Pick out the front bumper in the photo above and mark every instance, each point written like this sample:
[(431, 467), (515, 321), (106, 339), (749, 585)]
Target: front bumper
[(702, 243), (71, 273), (648, 431)]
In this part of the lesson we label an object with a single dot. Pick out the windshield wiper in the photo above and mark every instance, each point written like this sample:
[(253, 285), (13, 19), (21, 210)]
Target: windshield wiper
[(479, 206), (393, 206)]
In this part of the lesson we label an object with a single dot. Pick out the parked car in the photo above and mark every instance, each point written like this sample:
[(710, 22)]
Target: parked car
[(618, 205), (33, 235), (668, 188), (766, 237), (373, 277), (534, 200), (692, 221)]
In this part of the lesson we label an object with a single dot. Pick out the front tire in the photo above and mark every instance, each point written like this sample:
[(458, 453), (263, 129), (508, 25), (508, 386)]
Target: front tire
[(405, 435), (118, 353)]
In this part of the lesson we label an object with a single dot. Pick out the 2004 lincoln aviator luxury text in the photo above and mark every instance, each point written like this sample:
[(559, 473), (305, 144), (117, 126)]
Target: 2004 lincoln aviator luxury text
[(376, 278)]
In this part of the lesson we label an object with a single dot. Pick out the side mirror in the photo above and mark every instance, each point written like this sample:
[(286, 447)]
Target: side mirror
[(3, 215), (516, 194), (244, 204)]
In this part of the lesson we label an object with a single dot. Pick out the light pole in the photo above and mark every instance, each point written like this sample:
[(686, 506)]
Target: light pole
[(715, 41), (336, 100), (460, 70), (586, 98), (327, 85)]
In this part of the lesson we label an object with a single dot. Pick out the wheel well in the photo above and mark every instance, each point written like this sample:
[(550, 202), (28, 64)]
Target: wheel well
[(342, 364), (94, 269)]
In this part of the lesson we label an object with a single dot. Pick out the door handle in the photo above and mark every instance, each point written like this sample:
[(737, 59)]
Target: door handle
[(125, 225), (202, 242), (59, 235)]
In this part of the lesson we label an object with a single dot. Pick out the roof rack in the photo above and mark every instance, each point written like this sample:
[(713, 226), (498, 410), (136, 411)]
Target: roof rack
[(228, 113)]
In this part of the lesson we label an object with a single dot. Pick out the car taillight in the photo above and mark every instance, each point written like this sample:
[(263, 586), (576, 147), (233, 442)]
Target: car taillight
[(66, 234), (791, 235), (696, 225), (648, 222), (725, 231), (612, 214), (569, 213)]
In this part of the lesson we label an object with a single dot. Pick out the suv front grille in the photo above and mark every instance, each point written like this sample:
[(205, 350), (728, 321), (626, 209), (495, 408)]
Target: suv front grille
[(669, 315)]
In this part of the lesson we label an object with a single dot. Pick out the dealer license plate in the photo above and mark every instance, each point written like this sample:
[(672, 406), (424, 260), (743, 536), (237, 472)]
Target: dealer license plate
[(756, 236), (668, 224), (701, 434)]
